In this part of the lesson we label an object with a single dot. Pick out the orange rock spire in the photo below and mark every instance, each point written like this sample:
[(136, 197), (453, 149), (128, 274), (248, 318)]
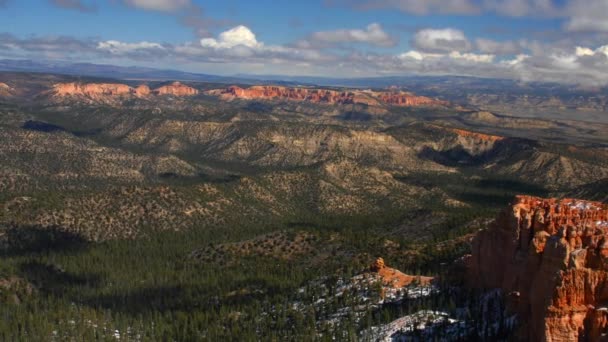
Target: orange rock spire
[(551, 257)]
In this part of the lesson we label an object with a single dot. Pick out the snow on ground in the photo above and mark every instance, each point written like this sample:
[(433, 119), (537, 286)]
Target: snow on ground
[(425, 322)]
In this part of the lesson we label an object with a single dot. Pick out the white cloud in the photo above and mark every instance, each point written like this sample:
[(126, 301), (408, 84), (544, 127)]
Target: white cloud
[(160, 5), (237, 36), (440, 40), (521, 8), (417, 55), (518, 60), (455, 55), (473, 57), (587, 15), (498, 48), (121, 48), (418, 7), (373, 34)]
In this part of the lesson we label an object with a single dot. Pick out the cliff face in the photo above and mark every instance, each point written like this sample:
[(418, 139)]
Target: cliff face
[(92, 90), (104, 92), (550, 257), (176, 89), (5, 90), (326, 96)]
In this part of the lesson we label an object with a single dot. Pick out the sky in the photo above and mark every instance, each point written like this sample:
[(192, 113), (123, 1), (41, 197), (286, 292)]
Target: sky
[(563, 41)]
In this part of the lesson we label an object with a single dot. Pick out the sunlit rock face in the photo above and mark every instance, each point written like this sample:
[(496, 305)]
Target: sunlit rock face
[(91, 90), (551, 257), (370, 98), (176, 89), (142, 90), (104, 92)]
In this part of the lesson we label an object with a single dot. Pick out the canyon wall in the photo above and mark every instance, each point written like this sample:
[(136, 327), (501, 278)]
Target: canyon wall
[(550, 257), (370, 98), (105, 91)]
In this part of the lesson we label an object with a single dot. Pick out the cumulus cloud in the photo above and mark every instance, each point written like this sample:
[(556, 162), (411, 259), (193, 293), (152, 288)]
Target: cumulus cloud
[(160, 5), (373, 34), (240, 49), (237, 36), (579, 15), (440, 40), (587, 15)]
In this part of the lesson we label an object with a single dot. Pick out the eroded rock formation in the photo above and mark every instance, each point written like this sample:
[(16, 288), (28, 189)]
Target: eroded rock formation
[(551, 259), (396, 278), (5, 90), (370, 98), (108, 91), (142, 90), (92, 90), (176, 89)]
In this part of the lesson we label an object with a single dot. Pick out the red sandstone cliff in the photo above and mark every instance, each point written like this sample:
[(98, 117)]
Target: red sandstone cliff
[(92, 90), (5, 90), (109, 91), (551, 259), (142, 90), (327, 96), (176, 89)]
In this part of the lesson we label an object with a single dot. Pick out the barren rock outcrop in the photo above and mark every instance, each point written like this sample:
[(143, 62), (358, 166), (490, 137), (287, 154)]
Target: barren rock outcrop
[(396, 278), (551, 259), (176, 89), (92, 90), (5, 90), (326, 96), (142, 90), (103, 92)]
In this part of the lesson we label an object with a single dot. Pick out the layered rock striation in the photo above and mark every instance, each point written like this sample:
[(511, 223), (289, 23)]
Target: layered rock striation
[(106, 91), (550, 257), (326, 96), (176, 89)]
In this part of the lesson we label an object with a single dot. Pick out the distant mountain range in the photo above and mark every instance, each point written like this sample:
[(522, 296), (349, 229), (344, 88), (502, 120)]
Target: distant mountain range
[(413, 82)]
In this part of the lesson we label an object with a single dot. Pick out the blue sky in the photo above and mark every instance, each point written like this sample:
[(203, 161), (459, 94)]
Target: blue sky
[(548, 40)]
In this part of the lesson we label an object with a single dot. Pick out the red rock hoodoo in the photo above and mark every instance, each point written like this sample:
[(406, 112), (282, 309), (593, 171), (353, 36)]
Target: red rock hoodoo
[(396, 278), (326, 96), (550, 257)]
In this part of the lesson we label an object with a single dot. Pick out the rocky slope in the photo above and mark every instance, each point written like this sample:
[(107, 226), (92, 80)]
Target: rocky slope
[(550, 257), (326, 96)]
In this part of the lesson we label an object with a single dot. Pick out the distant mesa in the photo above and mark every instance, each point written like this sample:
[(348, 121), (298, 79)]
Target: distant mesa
[(176, 89), (550, 258), (102, 91), (326, 96)]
